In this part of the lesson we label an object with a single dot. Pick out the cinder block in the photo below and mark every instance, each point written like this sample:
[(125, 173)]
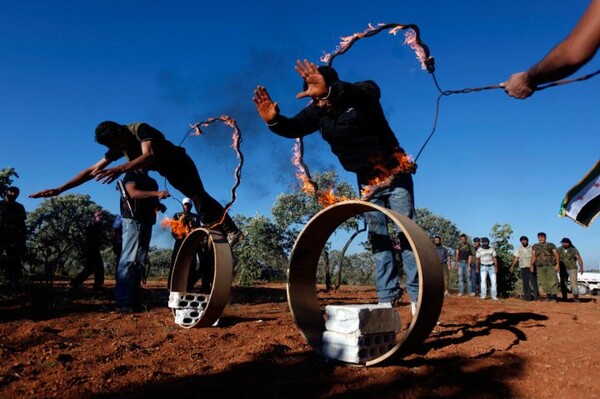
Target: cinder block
[(356, 348), (362, 319), (189, 307)]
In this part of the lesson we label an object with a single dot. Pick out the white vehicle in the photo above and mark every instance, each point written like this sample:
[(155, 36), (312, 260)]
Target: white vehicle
[(588, 283)]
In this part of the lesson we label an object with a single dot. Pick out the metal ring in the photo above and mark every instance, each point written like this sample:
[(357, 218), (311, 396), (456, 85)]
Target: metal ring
[(223, 270), (301, 287)]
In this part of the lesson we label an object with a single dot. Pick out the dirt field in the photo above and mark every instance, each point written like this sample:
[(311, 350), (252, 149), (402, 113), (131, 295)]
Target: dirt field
[(63, 344)]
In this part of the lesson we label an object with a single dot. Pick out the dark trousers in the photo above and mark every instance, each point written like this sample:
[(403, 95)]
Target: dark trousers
[(13, 265), (530, 284), (93, 264), (475, 279)]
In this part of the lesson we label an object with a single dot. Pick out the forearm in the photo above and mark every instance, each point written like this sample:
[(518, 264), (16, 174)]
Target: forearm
[(304, 123), (141, 162)]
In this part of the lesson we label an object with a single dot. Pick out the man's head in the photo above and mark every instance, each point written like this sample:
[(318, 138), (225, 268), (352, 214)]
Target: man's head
[(524, 241), (566, 243), (12, 193), (111, 135), (485, 242), (330, 76), (541, 237), (476, 242), (437, 240), (463, 238), (187, 205)]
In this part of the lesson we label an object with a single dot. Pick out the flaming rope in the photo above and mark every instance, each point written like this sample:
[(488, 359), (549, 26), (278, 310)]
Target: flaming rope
[(196, 130), (413, 40)]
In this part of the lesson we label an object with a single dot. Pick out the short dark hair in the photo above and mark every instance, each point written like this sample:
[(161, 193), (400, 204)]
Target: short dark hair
[(541, 233), (523, 238), (485, 239), (462, 235), (13, 189), (107, 132), (476, 239)]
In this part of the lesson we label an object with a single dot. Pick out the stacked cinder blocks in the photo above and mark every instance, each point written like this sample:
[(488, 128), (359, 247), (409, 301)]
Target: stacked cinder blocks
[(189, 308), (359, 333)]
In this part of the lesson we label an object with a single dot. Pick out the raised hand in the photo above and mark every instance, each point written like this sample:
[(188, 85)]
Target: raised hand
[(267, 109), (315, 81), (108, 175)]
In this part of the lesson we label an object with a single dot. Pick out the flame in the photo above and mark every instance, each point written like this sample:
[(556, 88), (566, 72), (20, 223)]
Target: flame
[(410, 39), (324, 198), (386, 176), (178, 228)]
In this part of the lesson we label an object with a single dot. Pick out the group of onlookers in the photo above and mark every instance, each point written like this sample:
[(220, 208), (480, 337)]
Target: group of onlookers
[(477, 262)]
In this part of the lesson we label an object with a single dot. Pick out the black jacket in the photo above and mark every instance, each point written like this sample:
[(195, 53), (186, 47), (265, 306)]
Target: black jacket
[(355, 128)]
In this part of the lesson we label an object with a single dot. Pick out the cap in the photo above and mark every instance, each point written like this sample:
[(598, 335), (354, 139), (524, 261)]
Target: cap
[(566, 240), (186, 201), (523, 238), (485, 239)]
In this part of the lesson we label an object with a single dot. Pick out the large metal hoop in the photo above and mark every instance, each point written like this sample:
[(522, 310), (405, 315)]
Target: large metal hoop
[(212, 305), (301, 287)]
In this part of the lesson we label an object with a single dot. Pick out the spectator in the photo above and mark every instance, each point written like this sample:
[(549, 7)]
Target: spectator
[(444, 256), (523, 256), (13, 236), (94, 230), (137, 232), (569, 257), (475, 276), (487, 265), (547, 263), (462, 258), (116, 236)]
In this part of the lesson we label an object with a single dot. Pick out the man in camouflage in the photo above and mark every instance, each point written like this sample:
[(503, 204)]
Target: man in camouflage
[(545, 259), (569, 257)]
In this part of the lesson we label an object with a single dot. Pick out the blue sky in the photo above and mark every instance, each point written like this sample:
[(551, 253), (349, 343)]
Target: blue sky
[(66, 66)]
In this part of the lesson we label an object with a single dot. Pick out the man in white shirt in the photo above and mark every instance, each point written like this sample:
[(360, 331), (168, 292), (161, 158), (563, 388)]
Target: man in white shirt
[(487, 264)]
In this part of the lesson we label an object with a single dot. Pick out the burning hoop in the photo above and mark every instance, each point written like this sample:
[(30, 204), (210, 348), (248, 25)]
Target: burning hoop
[(301, 287)]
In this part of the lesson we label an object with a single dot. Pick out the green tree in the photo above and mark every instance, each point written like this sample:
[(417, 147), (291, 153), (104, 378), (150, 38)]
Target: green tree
[(57, 233), (292, 211), (501, 235), (264, 251), (6, 180), (438, 225)]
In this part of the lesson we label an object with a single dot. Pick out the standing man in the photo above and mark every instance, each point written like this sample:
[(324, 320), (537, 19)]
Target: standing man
[(487, 265), (94, 230), (13, 236), (350, 118), (138, 219), (147, 148), (444, 256), (523, 255), (462, 258), (566, 58), (116, 238), (569, 257), (545, 259), (475, 276)]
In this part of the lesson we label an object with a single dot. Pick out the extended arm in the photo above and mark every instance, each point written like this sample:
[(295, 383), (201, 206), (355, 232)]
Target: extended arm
[(82, 177), (145, 160)]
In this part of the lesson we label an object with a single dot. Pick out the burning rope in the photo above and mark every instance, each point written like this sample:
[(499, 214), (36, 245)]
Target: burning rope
[(195, 129), (412, 39)]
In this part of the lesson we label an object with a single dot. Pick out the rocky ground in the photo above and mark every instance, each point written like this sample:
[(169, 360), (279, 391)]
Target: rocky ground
[(72, 344)]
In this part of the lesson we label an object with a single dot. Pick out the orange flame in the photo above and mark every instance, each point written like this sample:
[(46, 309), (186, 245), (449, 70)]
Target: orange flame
[(324, 198), (386, 176), (178, 228)]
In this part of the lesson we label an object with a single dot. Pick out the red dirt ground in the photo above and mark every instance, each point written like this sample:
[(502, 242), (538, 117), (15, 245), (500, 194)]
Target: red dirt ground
[(62, 344)]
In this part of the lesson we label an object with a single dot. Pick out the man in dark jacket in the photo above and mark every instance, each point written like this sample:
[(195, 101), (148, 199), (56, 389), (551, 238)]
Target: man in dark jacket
[(13, 236), (350, 118)]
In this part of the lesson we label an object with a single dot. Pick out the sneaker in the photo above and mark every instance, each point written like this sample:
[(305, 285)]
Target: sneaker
[(495, 299), (472, 294), (460, 294), (234, 238), (394, 302), (446, 293), (413, 308)]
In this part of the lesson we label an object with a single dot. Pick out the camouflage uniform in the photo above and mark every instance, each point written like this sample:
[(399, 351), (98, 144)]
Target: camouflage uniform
[(545, 263), (568, 268)]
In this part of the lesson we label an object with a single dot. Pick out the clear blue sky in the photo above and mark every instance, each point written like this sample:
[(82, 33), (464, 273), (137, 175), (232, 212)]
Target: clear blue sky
[(66, 66)]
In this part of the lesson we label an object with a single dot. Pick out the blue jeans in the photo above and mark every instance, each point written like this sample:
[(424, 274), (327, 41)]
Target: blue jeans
[(387, 279), (463, 275), (486, 270), (134, 256), (475, 278)]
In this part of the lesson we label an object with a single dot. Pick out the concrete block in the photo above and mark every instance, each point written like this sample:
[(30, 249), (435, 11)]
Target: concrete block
[(356, 348), (362, 318)]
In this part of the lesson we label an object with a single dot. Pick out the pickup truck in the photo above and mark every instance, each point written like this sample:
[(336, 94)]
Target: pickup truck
[(588, 283)]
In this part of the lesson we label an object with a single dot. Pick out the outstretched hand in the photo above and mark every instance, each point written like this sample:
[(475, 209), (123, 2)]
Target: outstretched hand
[(313, 78), (518, 86), (267, 109), (51, 192)]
